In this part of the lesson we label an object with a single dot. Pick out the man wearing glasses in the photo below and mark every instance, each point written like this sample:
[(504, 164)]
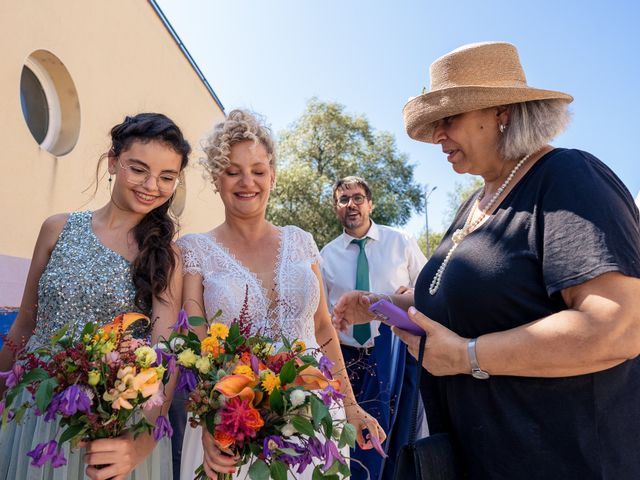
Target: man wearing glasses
[(384, 260)]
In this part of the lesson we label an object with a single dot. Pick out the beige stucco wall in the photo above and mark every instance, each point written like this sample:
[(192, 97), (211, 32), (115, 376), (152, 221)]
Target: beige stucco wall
[(122, 61)]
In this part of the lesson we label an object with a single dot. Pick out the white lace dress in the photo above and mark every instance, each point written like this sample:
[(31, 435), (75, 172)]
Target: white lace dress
[(226, 282)]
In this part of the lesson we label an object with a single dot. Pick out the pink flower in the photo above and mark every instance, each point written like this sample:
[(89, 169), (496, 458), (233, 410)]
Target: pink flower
[(156, 400), (13, 376), (239, 420), (112, 358)]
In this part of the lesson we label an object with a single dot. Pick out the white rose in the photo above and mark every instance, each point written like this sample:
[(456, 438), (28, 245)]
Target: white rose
[(176, 343), (297, 398), (288, 430), (162, 347)]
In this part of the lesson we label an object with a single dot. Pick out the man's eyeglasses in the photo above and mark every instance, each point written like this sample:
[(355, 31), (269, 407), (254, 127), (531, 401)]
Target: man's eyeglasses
[(357, 199), (138, 175)]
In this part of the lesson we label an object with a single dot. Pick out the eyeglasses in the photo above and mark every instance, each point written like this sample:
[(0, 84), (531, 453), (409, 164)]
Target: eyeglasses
[(357, 199), (138, 175)]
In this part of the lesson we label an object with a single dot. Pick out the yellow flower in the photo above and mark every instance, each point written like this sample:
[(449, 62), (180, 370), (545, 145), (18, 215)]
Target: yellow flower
[(203, 365), (211, 345), (270, 381), (219, 330), (244, 370), (299, 346), (160, 369), (107, 347), (145, 356), (187, 358), (94, 377)]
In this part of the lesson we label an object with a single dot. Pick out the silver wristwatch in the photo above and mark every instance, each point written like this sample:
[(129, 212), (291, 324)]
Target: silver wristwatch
[(476, 371)]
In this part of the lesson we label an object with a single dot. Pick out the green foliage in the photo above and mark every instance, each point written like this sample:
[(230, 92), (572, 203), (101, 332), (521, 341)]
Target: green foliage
[(303, 425), (348, 436), (326, 144), (276, 403), (434, 240), (45, 392), (288, 372), (461, 192), (318, 411), (278, 470), (196, 321), (259, 470)]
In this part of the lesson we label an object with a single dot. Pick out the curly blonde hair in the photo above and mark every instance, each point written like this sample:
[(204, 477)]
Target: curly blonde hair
[(239, 126)]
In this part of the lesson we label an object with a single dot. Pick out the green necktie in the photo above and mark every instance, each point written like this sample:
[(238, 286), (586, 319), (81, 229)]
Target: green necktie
[(362, 333)]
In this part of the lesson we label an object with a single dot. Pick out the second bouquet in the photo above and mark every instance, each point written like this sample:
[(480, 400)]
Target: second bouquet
[(268, 402)]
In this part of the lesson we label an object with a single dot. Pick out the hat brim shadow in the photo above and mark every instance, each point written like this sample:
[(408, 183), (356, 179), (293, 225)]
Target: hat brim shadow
[(422, 111)]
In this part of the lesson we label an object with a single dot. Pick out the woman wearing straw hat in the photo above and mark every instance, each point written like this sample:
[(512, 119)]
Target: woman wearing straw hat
[(531, 302)]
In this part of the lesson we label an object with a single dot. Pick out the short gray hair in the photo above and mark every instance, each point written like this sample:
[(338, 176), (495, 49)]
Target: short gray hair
[(532, 125)]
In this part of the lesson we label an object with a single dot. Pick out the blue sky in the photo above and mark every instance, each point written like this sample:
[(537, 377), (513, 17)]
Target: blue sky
[(370, 56)]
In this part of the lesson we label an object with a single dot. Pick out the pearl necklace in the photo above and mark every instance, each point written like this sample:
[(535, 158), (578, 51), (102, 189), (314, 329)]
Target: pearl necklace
[(469, 226)]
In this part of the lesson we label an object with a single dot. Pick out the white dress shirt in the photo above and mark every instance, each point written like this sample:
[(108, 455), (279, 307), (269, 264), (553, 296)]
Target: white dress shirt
[(394, 258)]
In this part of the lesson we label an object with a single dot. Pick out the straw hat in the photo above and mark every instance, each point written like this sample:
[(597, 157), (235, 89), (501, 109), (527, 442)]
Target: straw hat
[(472, 77)]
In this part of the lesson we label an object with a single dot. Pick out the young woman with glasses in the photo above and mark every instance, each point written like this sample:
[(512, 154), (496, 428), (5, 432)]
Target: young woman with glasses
[(92, 266)]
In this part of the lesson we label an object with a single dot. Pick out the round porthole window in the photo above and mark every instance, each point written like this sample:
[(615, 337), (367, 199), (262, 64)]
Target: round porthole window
[(49, 102)]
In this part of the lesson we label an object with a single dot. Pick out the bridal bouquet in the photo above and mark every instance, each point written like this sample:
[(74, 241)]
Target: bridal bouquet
[(269, 404), (96, 387)]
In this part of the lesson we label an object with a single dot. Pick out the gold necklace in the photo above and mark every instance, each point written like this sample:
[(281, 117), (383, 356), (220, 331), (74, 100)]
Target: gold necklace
[(469, 226)]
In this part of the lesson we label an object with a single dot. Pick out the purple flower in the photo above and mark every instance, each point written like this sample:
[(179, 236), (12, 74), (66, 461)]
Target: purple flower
[(331, 454), (183, 321), (162, 357), (186, 380), (13, 376), (73, 399), (314, 446), (330, 394), (271, 443), (162, 428), (325, 365), (304, 458), (171, 364), (52, 409), (58, 459), (255, 364), (45, 452)]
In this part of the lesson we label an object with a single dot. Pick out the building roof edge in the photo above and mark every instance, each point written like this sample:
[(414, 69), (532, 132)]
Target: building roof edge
[(185, 52)]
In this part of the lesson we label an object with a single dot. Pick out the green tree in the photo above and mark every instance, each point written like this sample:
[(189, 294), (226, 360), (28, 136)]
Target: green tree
[(434, 240), (455, 199), (326, 144)]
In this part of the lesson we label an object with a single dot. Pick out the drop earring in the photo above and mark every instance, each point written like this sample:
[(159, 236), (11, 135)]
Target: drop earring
[(502, 127)]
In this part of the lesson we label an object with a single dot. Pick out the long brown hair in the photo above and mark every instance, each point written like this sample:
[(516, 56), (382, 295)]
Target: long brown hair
[(156, 260)]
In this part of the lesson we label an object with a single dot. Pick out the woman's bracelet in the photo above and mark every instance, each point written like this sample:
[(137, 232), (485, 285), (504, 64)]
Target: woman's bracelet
[(388, 297)]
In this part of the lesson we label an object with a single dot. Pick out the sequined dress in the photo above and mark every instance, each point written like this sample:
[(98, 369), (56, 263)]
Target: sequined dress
[(84, 281)]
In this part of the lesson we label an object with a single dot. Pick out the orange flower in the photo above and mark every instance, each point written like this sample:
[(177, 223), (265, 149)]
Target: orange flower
[(253, 419), (313, 379), (223, 440), (211, 345), (124, 321), (237, 386), (147, 382)]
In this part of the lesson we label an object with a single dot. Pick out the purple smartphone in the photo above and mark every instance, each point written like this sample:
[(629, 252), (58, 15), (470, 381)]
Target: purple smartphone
[(395, 316)]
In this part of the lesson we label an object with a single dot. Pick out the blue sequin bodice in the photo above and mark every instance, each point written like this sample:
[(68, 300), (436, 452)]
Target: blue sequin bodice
[(83, 282)]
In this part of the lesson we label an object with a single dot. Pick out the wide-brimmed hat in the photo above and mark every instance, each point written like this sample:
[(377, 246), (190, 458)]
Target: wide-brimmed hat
[(472, 77)]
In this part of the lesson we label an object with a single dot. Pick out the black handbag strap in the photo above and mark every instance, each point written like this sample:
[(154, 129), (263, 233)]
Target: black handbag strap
[(416, 395)]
